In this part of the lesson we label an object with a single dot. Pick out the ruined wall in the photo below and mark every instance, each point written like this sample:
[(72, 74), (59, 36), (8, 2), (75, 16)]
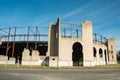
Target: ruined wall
[(34, 58), (53, 43), (65, 46), (26, 55), (87, 39), (4, 60), (111, 51), (100, 58), (77, 51), (70, 51), (35, 55), (66, 51)]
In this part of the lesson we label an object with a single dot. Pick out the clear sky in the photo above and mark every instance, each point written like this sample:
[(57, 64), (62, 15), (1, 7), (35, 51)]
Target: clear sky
[(104, 14)]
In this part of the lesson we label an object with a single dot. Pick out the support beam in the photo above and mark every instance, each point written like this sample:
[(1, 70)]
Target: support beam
[(8, 42), (14, 43), (36, 38), (28, 37)]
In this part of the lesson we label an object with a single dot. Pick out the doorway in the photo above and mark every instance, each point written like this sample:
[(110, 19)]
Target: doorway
[(77, 54)]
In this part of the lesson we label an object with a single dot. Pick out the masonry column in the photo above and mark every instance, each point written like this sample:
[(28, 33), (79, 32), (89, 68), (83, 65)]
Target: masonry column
[(87, 39), (111, 51), (53, 43)]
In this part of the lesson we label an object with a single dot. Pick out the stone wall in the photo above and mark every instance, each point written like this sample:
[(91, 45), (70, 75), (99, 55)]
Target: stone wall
[(87, 39), (112, 51), (100, 59), (4, 60), (63, 47)]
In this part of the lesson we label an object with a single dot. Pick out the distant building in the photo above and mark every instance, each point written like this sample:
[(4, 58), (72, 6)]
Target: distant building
[(79, 48)]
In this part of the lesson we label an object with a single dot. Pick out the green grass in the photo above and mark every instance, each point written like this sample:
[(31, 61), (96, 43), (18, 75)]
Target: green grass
[(10, 66), (112, 66)]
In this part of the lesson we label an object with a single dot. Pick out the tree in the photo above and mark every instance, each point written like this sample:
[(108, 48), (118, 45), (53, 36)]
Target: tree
[(118, 56)]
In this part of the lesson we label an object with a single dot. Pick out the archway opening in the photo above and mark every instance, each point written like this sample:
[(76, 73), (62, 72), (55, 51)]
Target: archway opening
[(77, 54), (100, 52), (105, 56), (94, 51)]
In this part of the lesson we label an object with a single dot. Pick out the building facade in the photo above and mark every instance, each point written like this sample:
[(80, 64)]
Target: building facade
[(64, 50)]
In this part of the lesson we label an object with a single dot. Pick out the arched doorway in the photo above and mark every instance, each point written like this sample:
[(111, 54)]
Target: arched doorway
[(105, 56), (101, 52), (77, 54), (94, 51)]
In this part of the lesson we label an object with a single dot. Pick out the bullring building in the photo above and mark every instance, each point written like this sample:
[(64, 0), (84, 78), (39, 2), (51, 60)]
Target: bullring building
[(60, 44)]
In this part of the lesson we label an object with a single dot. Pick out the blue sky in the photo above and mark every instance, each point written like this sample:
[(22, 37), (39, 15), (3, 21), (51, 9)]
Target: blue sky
[(104, 14)]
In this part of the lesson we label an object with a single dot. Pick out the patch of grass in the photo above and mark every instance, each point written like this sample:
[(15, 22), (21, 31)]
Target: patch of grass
[(10, 66), (111, 66)]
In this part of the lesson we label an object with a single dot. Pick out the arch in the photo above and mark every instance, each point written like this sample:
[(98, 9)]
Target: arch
[(94, 51), (105, 53), (77, 54), (101, 52)]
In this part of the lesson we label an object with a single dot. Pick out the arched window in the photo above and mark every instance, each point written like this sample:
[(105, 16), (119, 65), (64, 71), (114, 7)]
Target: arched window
[(100, 52), (105, 53), (94, 51)]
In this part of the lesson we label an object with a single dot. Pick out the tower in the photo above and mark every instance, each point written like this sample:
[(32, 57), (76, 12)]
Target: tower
[(111, 51), (87, 39), (53, 44)]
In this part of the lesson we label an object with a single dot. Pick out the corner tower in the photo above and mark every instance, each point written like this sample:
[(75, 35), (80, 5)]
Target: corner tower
[(111, 51)]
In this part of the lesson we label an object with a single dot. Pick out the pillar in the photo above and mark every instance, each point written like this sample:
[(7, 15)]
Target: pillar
[(87, 39), (112, 59), (53, 43)]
